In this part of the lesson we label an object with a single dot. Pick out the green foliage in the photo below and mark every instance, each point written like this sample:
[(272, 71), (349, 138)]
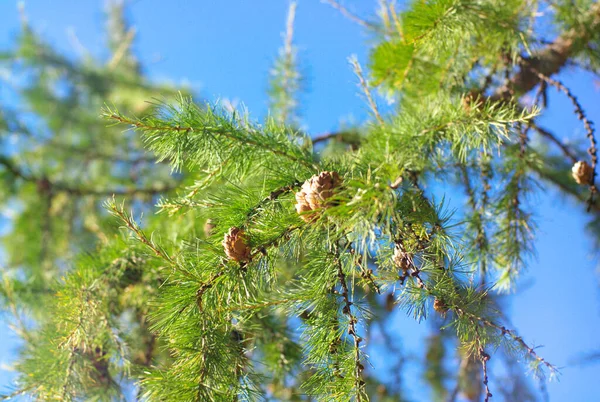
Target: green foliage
[(163, 304)]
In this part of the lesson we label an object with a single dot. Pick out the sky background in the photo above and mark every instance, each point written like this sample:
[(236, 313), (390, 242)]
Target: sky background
[(224, 50)]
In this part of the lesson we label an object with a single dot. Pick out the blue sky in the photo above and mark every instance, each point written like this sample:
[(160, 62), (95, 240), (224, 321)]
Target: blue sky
[(224, 50)]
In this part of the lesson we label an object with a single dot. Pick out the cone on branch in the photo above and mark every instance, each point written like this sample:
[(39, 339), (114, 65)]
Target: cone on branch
[(582, 172), (401, 258), (236, 246), (315, 192), (440, 306)]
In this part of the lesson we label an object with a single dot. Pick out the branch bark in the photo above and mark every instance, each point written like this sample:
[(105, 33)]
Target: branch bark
[(549, 60)]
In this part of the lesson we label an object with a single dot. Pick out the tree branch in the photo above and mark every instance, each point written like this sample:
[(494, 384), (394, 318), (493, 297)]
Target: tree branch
[(50, 185), (549, 60)]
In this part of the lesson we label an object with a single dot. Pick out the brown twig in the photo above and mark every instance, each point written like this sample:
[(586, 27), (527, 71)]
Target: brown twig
[(53, 185), (510, 333), (589, 128), (563, 147), (550, 59), (325, 137), (483, 358), (352, 320)]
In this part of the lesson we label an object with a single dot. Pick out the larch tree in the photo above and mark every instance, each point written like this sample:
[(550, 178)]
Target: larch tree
[(270, 257)]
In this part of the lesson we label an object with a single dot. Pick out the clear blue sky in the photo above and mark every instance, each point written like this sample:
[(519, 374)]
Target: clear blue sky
[(224, 50)]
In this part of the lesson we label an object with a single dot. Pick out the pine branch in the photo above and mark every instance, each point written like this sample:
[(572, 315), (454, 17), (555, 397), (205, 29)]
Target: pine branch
[(512, 335), (51, 185), (592, 150), (352, 331), (285, 80), (366, 89), (551, 59), (566, 150), (158, 128), (131, 224)]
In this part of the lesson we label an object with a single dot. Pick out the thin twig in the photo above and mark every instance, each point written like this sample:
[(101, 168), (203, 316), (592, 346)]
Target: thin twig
[(563, 147), (122, 49), (483, 358), (352, 320), (289, 32), (588, 125), (325, 137), (351, 16), (139, 233), (365, 87), (512, 334), (71, 189), (186, 129)]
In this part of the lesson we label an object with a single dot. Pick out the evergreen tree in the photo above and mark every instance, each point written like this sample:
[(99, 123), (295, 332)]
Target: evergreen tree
[(59, 162), (265, 273)]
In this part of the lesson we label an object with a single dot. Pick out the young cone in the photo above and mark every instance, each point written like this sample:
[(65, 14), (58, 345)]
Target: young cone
[(401, 259), (315, 192), (440, 306), (582, 172), (235, 245)]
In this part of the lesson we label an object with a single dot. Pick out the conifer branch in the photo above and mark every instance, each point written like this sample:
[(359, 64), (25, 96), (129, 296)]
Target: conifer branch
[(157, 128), (483, 359), (512, 335), (352, 331), (132, 225), (551, 59), (52, 185), (366, 90), (481, 239), (325, 137), (566, 150), (285, 80), (588, 125)]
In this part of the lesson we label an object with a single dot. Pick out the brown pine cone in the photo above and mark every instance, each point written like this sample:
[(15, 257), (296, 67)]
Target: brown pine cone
[(582, 172), (302, 207), (235, 245), (401, 259), (315, 192), (440, 306)]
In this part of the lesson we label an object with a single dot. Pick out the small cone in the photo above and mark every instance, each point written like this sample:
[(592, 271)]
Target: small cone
[(314, 193), (401, 259), (440, 306), (302, 207), (235, 245), (582, 172)]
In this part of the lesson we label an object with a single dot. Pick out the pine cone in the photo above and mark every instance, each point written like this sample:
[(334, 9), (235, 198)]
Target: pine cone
[(401, 259), (582, 172), (235, 245), (315, 192), (440, 306), (302, 207)]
